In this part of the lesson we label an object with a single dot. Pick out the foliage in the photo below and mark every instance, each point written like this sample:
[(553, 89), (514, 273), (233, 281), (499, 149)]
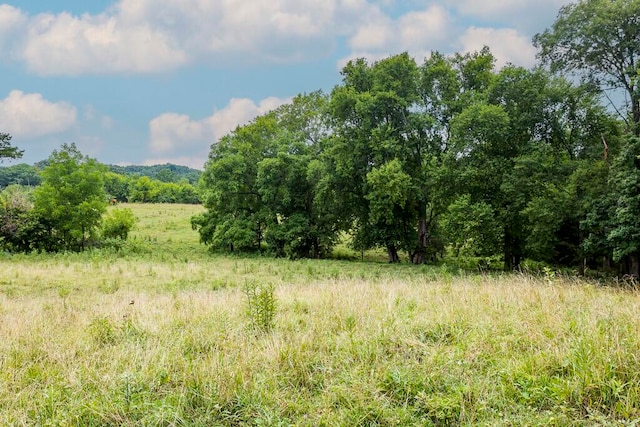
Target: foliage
[(261, 306), (625, 225), (601, 40), (117, 223), (71, 200), (20, 229), (472, 228), (147, 190), (263, 185), (164, 173), (7, 151), (116, 186), (21, 174)]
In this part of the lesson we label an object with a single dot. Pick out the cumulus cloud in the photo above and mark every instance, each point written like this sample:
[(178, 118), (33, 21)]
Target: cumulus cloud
[(12, 20), (170, 131), (171, 134), (417, 32), (439, 27), (30, 115), (64, 44), (145, 36), (507, 45)]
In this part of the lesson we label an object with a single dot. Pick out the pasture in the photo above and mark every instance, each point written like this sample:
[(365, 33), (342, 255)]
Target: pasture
[(163, 333)]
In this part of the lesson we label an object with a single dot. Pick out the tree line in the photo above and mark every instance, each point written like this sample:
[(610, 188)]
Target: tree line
[(145, 184), (451, 154)]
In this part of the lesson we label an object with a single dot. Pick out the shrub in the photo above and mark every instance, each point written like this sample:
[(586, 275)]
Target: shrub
[(261, 306), (118, 223)]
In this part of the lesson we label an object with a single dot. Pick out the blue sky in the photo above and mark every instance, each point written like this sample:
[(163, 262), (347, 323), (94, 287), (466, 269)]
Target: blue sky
[(156, 81)]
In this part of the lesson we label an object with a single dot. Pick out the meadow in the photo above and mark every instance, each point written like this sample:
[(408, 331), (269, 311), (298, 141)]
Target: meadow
[(164, 333)]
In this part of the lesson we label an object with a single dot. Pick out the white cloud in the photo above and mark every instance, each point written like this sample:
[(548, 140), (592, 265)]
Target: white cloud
[(171, 134), (12, 20), (30, 115), (64, 44), (417, 32), (507, 45), (169, 131), (146, 36)]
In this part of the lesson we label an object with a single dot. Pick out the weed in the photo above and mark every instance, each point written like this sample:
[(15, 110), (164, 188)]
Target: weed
[(261, 305), (103, 331)]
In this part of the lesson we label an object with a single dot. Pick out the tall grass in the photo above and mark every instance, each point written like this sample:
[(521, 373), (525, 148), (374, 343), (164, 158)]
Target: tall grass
[(163, 337)]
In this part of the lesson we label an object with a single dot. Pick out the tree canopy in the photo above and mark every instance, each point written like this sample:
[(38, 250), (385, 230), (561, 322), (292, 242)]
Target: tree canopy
[(71, 199), (600, 40)]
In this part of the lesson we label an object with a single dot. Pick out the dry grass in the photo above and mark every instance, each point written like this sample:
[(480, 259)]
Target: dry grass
[(154, 339)]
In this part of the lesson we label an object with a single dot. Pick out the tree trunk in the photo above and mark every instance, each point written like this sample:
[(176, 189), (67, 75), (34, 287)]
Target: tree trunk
[(392, 252), (316, 248), (420, 255), (636, 115), (259, 235), (508, 252), (634, 265), (512, 251)]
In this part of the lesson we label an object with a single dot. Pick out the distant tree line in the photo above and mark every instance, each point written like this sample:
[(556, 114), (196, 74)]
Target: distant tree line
[(142, 189), (165, 173), (146, 184), (449, 155)]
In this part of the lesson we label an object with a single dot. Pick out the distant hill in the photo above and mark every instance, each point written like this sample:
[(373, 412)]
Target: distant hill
[(165, 173)]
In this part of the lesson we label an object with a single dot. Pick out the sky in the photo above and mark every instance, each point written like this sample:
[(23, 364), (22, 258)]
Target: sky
[(155, 81)]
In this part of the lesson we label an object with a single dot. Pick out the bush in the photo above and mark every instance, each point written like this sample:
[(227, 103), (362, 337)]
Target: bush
[(20, 228), (118, 223)]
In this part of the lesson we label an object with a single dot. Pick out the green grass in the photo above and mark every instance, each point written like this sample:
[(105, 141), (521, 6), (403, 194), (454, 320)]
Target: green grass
[(161, 336)]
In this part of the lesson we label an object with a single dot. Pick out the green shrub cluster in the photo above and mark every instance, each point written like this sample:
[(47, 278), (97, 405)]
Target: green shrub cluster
[(63, 213)]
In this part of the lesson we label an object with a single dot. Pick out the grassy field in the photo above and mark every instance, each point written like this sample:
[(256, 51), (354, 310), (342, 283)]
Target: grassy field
[(164, 333)]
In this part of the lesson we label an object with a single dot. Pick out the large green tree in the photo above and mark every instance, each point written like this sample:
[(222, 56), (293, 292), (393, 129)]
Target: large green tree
[(303, 219), (236, 217), (71, 200), (382, 154), (265, 186)]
